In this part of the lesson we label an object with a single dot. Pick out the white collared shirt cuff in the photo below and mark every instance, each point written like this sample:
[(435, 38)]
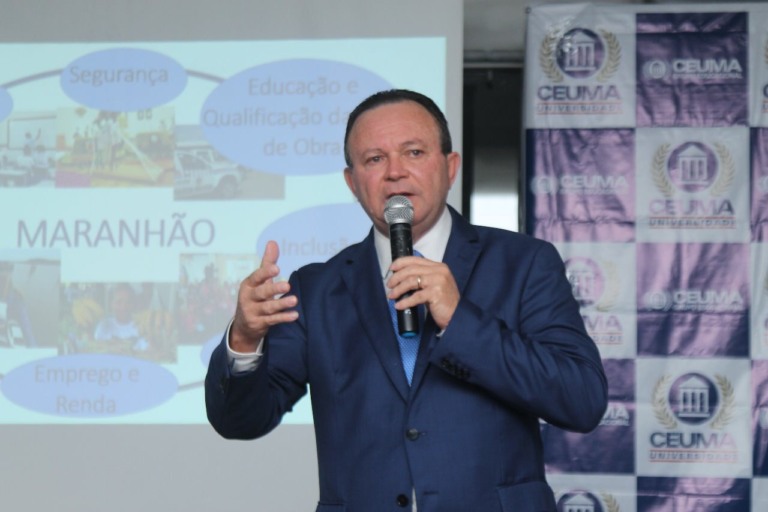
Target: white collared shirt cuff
[(240, 362)]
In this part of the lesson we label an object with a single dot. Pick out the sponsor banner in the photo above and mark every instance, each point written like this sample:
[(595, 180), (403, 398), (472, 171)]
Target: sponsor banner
[(694, 417), (663, 209), (583, 68), (758, 70), (760, 416), (760, 494), (692, 69), (596, 452), (758, 317), (594, 493), (759, 184), (583, 185), (602, 278), (693, 494), (693, 299), (692, 185)]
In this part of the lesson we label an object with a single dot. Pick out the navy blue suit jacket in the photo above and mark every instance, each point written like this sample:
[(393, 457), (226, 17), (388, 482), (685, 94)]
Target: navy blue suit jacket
[(465, 435)]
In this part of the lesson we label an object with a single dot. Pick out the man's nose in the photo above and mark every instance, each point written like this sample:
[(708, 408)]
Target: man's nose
[(396, 169)]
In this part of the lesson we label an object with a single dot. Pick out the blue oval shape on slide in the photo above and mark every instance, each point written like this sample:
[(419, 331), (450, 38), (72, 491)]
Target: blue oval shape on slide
[(89, 385), (314, 234), (123, 79), (287, 117)]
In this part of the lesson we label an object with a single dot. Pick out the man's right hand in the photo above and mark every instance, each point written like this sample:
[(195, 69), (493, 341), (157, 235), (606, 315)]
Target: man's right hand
[(261, 303)]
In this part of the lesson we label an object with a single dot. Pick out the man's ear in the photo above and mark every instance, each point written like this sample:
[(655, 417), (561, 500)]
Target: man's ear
[(350, 182), (454, 162)]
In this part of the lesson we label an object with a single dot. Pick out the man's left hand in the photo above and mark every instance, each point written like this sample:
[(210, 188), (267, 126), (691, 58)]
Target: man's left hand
[(430, 282)]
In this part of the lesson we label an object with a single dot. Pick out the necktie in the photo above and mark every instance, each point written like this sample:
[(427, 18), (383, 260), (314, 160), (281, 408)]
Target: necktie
[(409, 346)]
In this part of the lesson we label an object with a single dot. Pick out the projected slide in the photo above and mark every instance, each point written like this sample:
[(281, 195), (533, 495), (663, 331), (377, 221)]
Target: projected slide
[(139, 184)]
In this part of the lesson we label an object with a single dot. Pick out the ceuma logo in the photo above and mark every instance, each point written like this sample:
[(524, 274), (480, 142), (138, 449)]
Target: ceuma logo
[(544, 185), (708, 68), (592, 283), (616, 414), (590, 184), (655, 69), (658, 300), (693, 300), (693, 399), (580, 53), (723, 68), (692, 167), (583, 501)]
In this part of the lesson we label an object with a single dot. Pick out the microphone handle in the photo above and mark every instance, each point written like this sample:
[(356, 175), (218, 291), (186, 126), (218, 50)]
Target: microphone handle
[(402, 245)]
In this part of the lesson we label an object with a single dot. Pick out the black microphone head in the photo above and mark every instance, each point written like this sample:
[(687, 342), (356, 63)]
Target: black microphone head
[(398, 210)]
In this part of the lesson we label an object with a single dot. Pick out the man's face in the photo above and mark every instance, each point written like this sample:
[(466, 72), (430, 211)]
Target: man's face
[(395, 150)]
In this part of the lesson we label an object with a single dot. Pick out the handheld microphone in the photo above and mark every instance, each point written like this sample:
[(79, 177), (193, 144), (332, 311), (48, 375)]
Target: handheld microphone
[(398, 212)]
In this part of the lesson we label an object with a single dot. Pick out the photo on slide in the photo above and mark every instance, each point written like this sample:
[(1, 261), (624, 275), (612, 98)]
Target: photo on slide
[(128, 319), (28, 150), (26, 301), (207, 294), (99, 148), (201, 172)]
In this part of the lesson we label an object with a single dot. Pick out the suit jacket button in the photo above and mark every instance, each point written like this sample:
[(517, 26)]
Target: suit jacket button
[(412, 434), (402, 500)]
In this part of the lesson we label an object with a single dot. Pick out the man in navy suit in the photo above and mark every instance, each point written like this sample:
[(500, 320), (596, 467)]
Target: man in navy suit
[(502, 346)]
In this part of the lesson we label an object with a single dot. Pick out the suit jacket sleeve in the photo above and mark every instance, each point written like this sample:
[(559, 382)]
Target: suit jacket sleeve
[(518, 333), (251, 404)]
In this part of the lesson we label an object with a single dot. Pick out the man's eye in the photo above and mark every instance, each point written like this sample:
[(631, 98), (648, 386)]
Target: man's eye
[(417, 152), (374, 159)]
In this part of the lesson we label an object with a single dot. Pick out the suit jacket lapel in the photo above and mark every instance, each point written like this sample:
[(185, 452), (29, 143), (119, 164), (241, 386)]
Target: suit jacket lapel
[(460, 255), (361, 276)]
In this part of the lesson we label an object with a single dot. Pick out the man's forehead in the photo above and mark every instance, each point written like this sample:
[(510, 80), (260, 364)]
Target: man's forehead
[(387, 108), (398, 115)]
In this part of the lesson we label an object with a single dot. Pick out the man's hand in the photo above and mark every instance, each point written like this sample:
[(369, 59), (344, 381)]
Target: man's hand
[(261, 303), (431, 283)]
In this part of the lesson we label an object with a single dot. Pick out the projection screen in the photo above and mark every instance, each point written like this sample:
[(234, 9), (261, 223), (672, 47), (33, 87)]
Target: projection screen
[(148, 150)]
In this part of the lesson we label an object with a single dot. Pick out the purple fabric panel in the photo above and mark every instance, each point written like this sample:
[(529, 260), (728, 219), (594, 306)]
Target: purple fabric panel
[(693, 299), (692, 70), (566, 452), (583, 187)]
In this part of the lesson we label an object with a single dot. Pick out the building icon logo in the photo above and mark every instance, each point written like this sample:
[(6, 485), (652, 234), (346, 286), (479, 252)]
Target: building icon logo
[(656, 69), (693, 399), (584, 501), (580, 53), (592, 284), (692, 167)]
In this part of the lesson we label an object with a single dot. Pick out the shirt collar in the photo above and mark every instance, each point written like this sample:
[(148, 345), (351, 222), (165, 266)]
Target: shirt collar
[(432, 245)]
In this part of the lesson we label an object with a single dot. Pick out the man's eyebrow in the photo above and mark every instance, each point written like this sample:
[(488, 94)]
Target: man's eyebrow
[(411, 142), (404, 144), (367, 151)]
